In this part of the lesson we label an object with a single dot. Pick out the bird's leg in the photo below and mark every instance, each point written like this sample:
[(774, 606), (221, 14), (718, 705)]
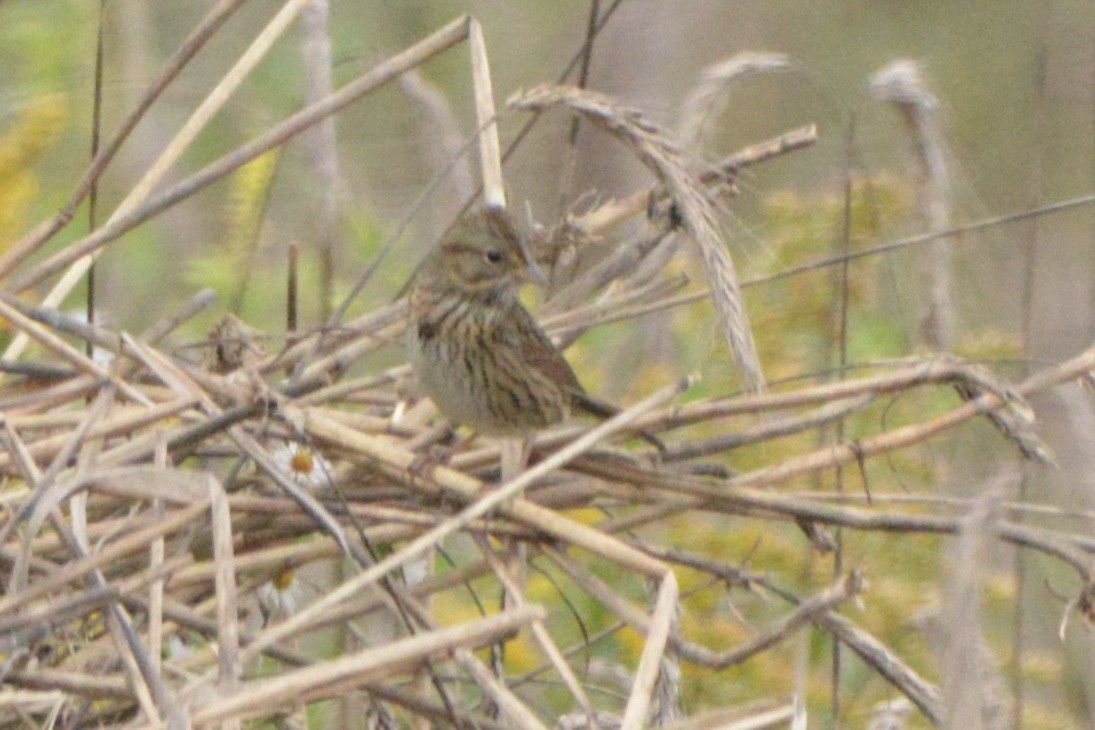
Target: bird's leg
[(514, 456), (436, 447)]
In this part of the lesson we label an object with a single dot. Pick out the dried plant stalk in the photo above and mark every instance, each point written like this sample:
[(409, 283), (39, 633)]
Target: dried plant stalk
[(903, 84), (709, 96), (653, 147)]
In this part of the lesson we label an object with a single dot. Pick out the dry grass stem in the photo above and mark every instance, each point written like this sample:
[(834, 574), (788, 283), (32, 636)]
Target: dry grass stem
[(707, 100), (651, 145), (662, 624), (255, 699), (490, 154), (903, 84), (887, 663), (612, 213)]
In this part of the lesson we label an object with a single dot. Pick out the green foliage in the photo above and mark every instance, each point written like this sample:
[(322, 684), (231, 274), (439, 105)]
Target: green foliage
[(230, 268), (796, 319), (42, 48), (363, 234), (40, 54), (22, 145)]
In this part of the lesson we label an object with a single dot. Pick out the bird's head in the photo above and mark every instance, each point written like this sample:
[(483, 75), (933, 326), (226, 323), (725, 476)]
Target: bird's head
[(484, 252)]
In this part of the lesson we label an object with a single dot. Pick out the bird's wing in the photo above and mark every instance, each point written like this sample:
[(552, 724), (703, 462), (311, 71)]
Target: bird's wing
[(539, 352)]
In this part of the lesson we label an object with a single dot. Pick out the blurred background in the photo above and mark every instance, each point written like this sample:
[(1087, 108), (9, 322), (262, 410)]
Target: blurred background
[(1013, 83)]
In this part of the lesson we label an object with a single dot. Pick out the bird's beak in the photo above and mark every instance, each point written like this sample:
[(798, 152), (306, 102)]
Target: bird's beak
[(535, 274), (531, 272)]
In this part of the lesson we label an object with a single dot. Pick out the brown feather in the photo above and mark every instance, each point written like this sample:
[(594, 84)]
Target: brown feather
[(476, 350)]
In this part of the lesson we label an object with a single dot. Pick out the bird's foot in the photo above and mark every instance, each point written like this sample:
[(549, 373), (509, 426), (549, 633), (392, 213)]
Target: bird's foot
[(428, 459)]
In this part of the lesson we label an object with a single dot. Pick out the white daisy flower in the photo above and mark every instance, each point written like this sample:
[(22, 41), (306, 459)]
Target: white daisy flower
[(280, 597), (305, 465)]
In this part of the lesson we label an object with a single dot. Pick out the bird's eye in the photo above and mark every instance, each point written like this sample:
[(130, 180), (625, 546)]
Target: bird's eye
[(494, 256)]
